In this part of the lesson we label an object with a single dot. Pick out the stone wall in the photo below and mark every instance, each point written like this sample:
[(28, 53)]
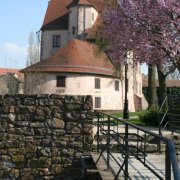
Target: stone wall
[(39, 134)]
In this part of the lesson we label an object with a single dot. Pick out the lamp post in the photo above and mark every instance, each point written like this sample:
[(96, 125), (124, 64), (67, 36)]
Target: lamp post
[(126, 111)]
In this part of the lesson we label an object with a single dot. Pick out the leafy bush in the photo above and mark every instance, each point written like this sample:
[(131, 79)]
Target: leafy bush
[(149, 117)]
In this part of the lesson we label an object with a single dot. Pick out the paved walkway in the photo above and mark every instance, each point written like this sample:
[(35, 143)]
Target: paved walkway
[(137, 170)]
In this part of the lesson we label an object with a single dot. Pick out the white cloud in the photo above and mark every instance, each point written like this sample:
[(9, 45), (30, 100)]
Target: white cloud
[(13, 55), (14, 49)]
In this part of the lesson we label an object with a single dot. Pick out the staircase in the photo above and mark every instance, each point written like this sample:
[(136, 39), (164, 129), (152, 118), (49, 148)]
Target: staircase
[(169, 118), (84, 168)]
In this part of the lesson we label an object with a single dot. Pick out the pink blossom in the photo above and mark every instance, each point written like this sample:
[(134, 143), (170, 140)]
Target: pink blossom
[(151, 28)]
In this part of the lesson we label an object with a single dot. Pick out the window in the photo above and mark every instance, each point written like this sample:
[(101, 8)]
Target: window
[(92, 16), (97, 102), (116, 85), (56, 40), (73, 30), (61, 81), (97, 83)]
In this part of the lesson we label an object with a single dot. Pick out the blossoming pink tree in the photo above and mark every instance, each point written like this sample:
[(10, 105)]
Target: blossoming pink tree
[(150, 28)]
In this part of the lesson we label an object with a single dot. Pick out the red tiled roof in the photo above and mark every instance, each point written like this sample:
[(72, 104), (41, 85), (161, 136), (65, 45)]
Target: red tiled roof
[(98, 4), (80, 2), (4, 71), (57, 12), (76, 57), (169, 82)]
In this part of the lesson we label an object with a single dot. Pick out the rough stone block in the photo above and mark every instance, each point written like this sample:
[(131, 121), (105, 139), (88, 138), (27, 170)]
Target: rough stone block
[(56, 123), (29, 101), (56, 169), (56, 160), (38, 133), (72, 116), (45, 102), (15, 173), (59, 103), (37, 125), (18, 159), (73, 128), (16, 151), (3, 136)]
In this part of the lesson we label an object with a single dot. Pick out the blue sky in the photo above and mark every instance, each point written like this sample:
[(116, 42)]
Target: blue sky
[(18, 18)]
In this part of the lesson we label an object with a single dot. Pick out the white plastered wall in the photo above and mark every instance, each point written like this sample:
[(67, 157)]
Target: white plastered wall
[(80, 84), (85, 20), (73, 22), (47, 49)]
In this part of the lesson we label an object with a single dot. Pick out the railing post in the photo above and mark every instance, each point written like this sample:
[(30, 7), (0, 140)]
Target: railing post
[(168, 163), (98, 133), (126, 152), (108, 143)]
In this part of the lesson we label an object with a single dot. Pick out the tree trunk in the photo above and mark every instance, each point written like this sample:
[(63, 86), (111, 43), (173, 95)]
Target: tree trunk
[(162, 85), (152, 95)]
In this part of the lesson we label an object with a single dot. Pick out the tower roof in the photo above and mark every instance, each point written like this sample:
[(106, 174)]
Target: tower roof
[(57, 12), (76, 57), (80, 2)]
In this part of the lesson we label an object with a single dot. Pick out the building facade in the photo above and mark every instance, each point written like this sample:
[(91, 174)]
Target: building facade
[(71, 65), (11, 81)]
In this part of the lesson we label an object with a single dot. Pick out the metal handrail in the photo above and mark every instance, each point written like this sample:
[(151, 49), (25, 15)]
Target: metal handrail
[(170, 152), (165, 113)]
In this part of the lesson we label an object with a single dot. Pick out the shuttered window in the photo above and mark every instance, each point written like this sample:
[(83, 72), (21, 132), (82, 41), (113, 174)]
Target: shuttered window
[(97, 102), (97, 83), (116, 85)]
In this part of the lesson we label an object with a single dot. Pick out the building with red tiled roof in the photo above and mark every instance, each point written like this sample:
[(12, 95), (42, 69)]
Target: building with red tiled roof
[(66, 20), (72, 66), (19, 74), (173, 86), (76, 57), (11, 81)]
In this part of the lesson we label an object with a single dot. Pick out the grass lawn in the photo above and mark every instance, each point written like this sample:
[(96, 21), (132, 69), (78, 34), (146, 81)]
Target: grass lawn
[(130, 114), (140, 118), (134, 119)]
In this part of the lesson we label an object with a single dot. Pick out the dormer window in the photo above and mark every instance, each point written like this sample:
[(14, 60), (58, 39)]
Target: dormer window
[(56, 41)]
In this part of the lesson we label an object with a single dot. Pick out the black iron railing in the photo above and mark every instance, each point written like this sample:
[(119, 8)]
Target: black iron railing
[(169, 114), (132, 144)]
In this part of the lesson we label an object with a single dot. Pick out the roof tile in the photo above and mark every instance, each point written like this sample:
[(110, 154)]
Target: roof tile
[(77, 56), (57, 11), (4, 71)]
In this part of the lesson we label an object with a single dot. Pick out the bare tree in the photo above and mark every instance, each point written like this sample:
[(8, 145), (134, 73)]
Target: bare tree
[(33, 50)]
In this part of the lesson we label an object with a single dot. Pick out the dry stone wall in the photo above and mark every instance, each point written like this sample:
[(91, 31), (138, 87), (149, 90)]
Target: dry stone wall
[(40, 133)]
